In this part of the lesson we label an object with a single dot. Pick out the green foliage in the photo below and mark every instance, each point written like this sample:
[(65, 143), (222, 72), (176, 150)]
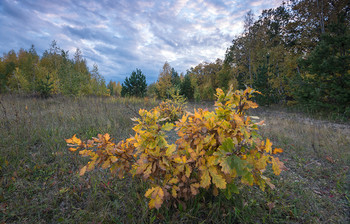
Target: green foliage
[(201, 81), (174, 107), (26, 72), (175, 78), (152, 90), (135, 85), (265, 56), (166, 81), (45, 87), (217, 150), (186, 88), (97, 83), (115, 89), (327, 84)]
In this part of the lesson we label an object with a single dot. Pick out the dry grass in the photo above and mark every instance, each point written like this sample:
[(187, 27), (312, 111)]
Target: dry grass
[(39, 181), (317, 154)]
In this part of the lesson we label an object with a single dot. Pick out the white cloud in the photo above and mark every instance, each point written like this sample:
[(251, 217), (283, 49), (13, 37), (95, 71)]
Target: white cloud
[(127, 34)]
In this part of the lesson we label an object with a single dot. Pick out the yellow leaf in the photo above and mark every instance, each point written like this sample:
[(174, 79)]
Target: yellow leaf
[(91, 165), (113, 159), (76, 140), (268, 146), (82, 171), (148, 171), (174, 191), (73, 140), (199, 147), (217, 179), (197, 115), (211, 161), (159, 200), (170, 150), (151, 203), (277, 165), (261, 163), (149, 192), (192, 153), (167, 126), (174, 180), (178, 159), (106, 164), (156, 198), (205, 179), (69, 141), (188, 171)]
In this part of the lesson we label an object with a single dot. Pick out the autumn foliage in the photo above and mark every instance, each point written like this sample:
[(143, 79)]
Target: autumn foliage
[(217, 150)]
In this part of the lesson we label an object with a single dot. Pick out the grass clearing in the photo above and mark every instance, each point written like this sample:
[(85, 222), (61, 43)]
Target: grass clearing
[(39, 179)]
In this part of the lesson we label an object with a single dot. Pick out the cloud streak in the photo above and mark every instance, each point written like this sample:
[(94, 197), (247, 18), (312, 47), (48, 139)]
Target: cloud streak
[(123, 35)]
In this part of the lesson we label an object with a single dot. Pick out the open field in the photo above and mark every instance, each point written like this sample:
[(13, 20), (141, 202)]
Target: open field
[(39, 181)]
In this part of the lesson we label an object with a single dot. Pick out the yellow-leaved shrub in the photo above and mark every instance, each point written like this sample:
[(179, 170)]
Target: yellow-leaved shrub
[(219, 150)]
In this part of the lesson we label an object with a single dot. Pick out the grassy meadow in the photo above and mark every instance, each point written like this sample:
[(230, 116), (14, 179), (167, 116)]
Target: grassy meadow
[(39, 180)]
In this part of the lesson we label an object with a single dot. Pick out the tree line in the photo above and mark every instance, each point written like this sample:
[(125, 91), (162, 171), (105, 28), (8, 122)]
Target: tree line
[(297, 53), (53, 73)]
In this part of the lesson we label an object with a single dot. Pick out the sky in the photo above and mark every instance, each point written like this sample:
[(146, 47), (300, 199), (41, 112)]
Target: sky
[(122, 35)]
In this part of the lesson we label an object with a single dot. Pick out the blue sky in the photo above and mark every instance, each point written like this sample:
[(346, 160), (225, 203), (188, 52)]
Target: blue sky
[(122, 35)]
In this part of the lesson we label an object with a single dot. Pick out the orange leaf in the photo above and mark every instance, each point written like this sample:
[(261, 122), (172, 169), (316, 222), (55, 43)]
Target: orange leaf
[(72, 149), (194, 188), (238, 119), (156, 194), (106, 137), (330, 159), (277, 150), (73, 140)]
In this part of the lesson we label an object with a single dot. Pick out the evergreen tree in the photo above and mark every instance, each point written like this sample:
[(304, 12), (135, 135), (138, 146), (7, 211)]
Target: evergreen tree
[(135, 85), (186, 88), (45, 87), (328, 83), (175, 78)]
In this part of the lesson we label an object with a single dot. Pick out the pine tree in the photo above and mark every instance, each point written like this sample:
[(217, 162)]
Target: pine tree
[(135, 85)]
